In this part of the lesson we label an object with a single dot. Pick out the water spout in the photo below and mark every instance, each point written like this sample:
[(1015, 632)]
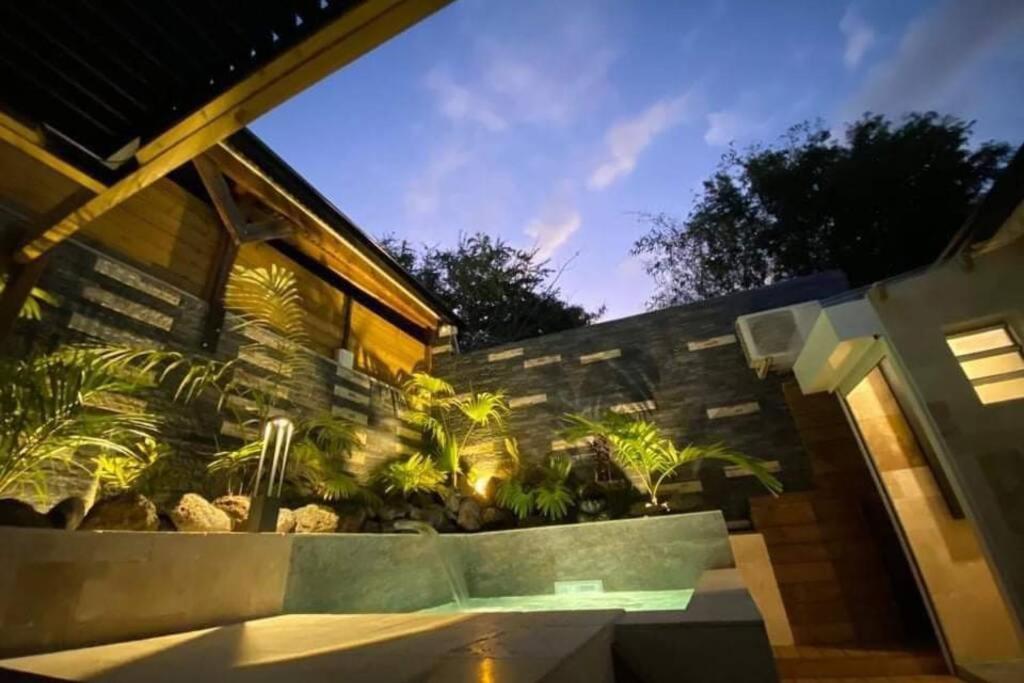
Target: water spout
[(456, 581)]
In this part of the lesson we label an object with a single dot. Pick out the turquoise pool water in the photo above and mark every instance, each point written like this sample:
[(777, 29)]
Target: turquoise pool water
[(630, 601)]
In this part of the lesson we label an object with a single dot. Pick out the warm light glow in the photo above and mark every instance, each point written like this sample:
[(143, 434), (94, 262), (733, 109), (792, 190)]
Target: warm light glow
[(1011, 361), (992, 360), (982, 340), (480, 485), (1003, 390)]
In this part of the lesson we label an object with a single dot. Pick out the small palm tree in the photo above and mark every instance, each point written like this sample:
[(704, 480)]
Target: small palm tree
[(269, 310), (638, 446), (523, 489), (415, 474), (56, 411), (438, 412)]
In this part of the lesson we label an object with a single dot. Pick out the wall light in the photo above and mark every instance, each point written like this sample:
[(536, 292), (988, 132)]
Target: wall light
[(991, 360)]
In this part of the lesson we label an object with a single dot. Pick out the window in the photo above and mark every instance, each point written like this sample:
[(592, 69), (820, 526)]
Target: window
[(992, 361)]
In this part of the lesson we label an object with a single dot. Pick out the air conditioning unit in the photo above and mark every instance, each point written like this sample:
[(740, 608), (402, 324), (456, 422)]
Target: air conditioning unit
[(772, 340)]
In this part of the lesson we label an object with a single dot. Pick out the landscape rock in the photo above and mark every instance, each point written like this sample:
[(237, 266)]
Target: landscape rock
[(128, 511), (68, 513), (285, 521), (452, 505), (371, 526), (393, 511), (496, 518), (195, 513), (469, 515), (432, 514), (316, 519), (14, 512), (235, 507), (352, 522)]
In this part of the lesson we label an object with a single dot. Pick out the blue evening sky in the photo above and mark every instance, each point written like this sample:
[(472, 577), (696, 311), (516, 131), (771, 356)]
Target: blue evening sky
[(552, 123)]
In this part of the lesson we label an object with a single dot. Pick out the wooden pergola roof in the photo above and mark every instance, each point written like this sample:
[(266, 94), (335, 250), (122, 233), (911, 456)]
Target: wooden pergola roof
[(116, 94)]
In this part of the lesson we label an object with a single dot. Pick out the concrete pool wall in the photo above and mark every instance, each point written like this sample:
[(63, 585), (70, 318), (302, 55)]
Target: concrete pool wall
[(68, 589)]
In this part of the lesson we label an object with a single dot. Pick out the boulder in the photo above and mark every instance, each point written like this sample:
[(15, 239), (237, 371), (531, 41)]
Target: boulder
[(469, 515), (68, 513), (432, 514), (392, 511), (18, 513), (285, 521), (352, 522), (236, 508), (128, 511), (315, 519), (452, 505), (195, 513), (496, 518), (371, 526)]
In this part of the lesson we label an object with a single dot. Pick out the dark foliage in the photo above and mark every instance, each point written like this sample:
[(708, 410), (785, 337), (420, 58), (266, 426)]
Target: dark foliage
[(884, 200), (501, 293)]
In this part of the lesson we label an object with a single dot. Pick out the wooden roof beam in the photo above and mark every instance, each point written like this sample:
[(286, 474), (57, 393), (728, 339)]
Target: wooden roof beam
[(353, 34)]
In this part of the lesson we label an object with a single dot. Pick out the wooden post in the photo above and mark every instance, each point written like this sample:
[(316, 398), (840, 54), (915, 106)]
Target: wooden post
[(21, 278), (227, 251)]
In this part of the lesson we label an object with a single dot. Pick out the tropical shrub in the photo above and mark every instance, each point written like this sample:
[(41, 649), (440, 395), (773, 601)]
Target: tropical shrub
[(57, 411), (32, 308), (523, 489), (416, 474), (638, 447), (269, 311), (449, 422)]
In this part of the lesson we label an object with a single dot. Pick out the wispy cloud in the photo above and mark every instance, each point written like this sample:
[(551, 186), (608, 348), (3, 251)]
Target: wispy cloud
[(626, 140), (549, 82), (725, 127), (553, 227), (935, 52), (460, 104), (859, 36), (423, 196)]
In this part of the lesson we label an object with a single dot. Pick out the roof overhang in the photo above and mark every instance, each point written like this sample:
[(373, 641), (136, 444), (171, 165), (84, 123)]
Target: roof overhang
[(840, 337)]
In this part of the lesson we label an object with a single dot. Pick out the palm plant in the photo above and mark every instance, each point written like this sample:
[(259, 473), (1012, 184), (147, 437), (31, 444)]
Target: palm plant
[(438, 412), (32, 308), (269, 312), (55, 411), (544, 488), (638, 446), (416, 474)]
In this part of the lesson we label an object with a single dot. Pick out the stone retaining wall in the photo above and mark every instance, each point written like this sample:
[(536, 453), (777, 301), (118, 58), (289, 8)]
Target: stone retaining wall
[(103, 299), (681, 366)]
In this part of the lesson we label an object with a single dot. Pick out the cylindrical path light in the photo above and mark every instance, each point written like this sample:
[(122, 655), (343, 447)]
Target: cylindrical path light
[(264, 506)]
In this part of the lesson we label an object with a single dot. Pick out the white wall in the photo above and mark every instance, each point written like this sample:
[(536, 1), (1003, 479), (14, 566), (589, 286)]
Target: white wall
[(980, 446)]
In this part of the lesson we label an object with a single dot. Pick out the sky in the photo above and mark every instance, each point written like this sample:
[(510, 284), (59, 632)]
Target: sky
[(555, 123)]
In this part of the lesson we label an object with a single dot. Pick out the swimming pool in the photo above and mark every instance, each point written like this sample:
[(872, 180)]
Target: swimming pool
[(630, 601)]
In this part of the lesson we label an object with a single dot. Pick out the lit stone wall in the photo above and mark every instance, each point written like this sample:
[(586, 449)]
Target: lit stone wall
[(103, 299), (680, 366)]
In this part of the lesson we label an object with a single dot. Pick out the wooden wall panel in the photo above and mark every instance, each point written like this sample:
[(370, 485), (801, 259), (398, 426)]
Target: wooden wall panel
[(324, 303), (381, 349), (163, 229)]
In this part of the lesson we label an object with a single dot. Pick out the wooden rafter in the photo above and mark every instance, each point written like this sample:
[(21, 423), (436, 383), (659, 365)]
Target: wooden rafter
[(356, 32), (320, 242)]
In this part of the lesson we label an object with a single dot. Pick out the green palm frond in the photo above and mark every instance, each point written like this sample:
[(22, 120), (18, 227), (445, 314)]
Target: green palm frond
[(513, 496), (639, 447), (53, 412), (755, 466), (423, 385), (332, 434), (416, 474), (553, 499), (484, 408), (32, 308)]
